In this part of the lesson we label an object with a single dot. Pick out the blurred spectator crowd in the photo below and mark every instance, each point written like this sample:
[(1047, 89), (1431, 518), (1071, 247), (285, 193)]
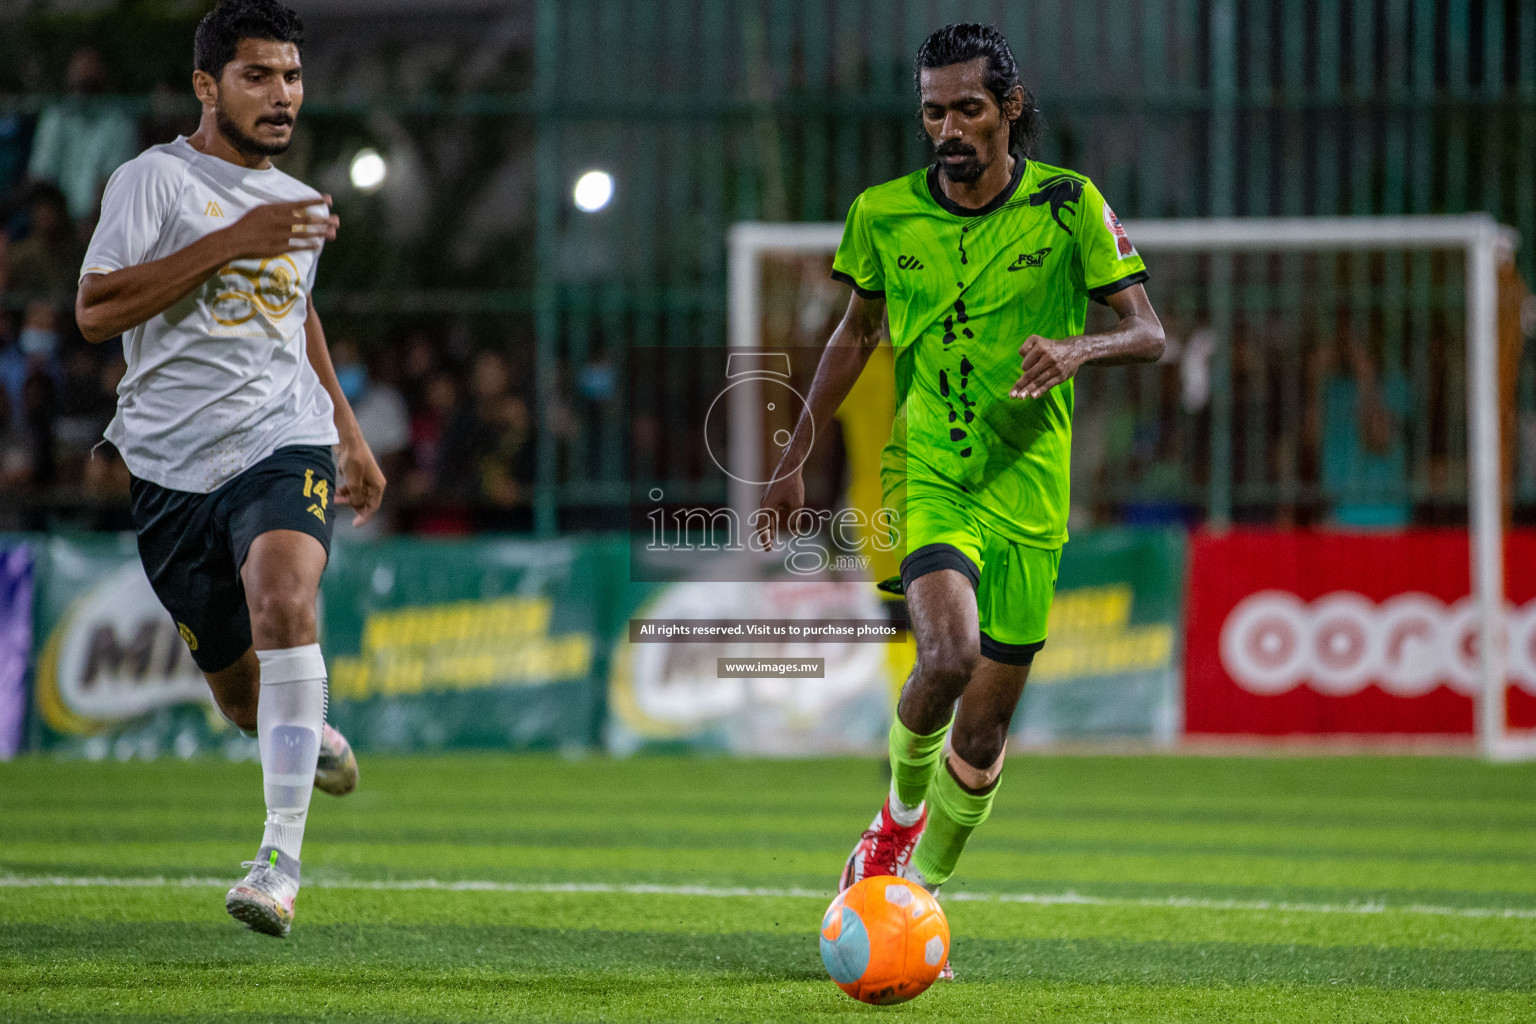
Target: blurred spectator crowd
[(1325, 428), (451, 426)]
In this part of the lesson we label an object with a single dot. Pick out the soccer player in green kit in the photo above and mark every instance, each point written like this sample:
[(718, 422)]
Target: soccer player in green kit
[(984, 264)]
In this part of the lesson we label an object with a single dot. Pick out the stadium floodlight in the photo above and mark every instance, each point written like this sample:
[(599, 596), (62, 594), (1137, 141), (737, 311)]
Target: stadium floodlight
[(368, 170), (593, 191), (1477, 238)]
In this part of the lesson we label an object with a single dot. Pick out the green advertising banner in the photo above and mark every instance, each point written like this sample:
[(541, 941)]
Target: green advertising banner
[(1111, 667), (522, 644), (473, 643), (112, 677), (680, 695), (430, 645), (1110, 670)]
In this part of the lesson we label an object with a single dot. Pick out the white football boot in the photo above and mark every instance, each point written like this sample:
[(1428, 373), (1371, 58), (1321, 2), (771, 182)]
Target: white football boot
[(263, 900), (336, 770)]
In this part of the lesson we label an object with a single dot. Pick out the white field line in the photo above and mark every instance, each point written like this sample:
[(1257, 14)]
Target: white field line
[(602, 888)]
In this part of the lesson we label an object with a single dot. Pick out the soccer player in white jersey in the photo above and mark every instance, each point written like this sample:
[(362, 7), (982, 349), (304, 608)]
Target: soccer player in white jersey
[(203, 261)]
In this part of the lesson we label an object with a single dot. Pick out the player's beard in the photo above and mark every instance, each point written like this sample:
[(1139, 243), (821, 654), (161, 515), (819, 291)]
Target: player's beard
[(966, 171), (243, 143)]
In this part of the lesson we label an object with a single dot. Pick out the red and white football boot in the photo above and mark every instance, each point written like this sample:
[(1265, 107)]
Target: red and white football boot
[(885, 848)]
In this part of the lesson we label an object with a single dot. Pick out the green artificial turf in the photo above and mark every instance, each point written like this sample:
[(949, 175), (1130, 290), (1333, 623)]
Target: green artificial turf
[(488, 887)]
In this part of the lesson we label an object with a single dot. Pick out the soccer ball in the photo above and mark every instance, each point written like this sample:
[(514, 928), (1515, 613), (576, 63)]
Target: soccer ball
[(884, 940)]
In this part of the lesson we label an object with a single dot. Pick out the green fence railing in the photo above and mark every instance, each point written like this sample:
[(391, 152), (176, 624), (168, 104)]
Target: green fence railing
[(708, 112)]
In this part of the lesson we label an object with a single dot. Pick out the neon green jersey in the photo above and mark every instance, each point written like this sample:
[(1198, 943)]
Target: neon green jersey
[(963, 289)]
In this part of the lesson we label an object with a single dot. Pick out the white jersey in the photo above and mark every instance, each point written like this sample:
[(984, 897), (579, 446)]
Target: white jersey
[(222, 379)]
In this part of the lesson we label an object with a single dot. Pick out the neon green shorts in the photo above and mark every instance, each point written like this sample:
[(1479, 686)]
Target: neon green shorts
[(1014, 582)]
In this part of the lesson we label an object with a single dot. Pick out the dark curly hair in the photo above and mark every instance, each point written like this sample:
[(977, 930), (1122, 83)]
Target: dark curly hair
[(220, 31), (967, 41)]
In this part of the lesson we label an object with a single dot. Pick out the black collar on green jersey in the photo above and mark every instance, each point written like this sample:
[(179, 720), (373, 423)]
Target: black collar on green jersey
[(950, 206)]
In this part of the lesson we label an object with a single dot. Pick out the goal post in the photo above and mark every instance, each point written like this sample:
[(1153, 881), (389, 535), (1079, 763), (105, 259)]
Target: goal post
[(1476, 239)]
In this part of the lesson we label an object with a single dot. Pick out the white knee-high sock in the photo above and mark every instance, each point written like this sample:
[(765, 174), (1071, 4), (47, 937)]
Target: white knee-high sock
[(289, 716)]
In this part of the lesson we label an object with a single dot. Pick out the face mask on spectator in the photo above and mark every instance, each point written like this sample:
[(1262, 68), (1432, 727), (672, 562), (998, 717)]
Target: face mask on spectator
[(597, 382), (353, 381), (37, 341)]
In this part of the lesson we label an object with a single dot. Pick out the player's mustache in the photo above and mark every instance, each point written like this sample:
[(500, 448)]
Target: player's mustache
[(954, 147)]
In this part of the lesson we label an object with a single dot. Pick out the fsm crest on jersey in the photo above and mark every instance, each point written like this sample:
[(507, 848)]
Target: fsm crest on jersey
[(1122, 241)]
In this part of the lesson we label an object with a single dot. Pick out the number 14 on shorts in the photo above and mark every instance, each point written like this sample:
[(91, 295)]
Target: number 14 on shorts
[(319, 490)]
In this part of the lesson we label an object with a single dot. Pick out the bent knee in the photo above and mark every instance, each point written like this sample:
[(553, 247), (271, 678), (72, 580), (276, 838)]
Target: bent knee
[(980, 755), (949, 661), (281, 619)]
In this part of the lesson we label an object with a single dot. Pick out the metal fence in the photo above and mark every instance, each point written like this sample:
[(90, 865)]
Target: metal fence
[(708, 112)]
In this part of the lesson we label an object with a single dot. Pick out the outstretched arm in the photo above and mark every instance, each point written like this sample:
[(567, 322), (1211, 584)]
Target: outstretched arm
[(109, 304), (841, 363), (1137, 338)]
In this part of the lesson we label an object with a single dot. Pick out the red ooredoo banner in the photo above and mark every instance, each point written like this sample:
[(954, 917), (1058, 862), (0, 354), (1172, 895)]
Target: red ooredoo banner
[(1314, 633)]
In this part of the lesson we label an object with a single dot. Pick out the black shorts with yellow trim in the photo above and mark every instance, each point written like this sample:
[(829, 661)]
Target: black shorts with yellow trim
[(194, 545)]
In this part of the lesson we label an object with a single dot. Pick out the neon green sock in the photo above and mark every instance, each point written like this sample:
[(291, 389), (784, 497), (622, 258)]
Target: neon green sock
[(914, 760), (953, 814)]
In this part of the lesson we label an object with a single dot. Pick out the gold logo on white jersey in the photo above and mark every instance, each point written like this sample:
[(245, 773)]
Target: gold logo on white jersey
[(270, 289), (213, 209)]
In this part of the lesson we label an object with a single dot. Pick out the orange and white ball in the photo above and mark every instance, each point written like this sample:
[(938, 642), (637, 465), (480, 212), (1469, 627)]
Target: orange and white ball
[(884, 940)]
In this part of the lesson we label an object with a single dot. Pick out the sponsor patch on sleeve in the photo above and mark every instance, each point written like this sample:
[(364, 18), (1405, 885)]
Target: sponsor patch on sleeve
[(1123, 244)]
